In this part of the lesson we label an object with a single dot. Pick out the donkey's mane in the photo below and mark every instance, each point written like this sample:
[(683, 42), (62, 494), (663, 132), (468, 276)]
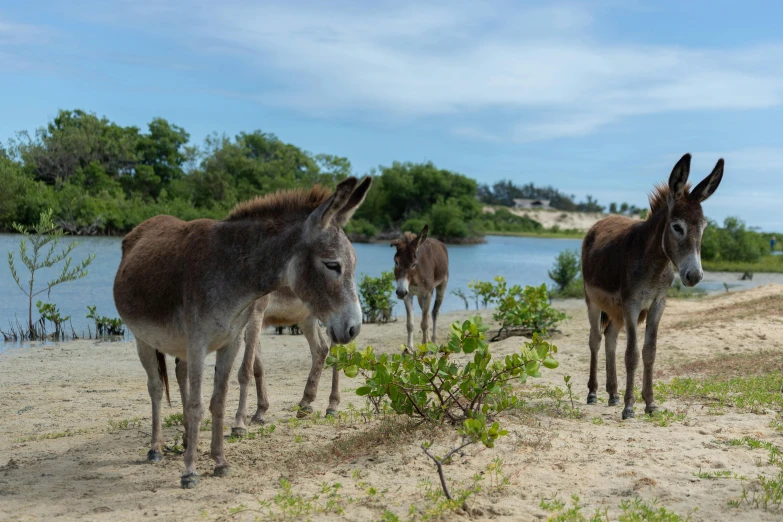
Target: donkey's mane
[(404, 239), (281, 205), (660, 196)]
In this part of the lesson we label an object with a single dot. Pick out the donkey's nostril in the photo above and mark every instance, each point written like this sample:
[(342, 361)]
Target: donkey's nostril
[(353, 331)]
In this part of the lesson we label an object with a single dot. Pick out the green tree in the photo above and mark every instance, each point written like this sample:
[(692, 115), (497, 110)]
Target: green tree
[(565, 269), (42, 234)]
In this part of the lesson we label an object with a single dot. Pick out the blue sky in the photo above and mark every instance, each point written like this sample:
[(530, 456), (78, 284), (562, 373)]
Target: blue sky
[(598, 97)]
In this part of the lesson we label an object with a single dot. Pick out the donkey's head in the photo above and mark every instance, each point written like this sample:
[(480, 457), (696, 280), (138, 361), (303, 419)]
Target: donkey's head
[(686, 223), (406, 259), (321, 273)]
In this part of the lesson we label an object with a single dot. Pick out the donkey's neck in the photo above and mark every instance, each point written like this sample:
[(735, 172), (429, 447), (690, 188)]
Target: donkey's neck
[(260, 258), (653, 229)]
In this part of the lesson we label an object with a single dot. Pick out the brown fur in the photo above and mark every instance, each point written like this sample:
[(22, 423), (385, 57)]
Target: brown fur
[(627, 271), (423, 264), (188, 288)]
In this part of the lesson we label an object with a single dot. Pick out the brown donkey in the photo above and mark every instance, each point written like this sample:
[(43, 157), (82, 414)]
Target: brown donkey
[(627, 269), (188, 288), (421, 265)]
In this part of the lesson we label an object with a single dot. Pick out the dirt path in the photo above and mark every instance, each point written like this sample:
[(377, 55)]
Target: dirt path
[(75, 424)]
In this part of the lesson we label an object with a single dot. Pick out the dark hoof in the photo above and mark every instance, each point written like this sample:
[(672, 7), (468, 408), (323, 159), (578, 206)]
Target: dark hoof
[(628, 413), (650, 410), (154, 456), (222, 471), (189, 480), (238, 432), (257, 420), (304, 411), (614, 400), (592, 398), (331, 413)]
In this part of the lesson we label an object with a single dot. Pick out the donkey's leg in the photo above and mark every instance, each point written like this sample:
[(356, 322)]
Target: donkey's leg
[(194, 409), (181, 370), (611, 333), (594, 316), (440, 293), (648, 353), (424, 304), (261, 393), (244, 375), (149, 359), (318, 353), (409, 314), (631, 359), (217, 406)]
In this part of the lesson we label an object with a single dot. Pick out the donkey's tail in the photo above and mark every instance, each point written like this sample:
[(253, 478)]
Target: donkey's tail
[(164, 375)]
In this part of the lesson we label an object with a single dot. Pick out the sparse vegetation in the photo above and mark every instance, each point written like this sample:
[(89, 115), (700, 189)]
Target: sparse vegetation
[(520, 311), (43, 239), (565, 269)]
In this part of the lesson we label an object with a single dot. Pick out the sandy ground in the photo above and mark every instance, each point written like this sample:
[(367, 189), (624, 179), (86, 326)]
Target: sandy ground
[(61, 458), (565, 220)]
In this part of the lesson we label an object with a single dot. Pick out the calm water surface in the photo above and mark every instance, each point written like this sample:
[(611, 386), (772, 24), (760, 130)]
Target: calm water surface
[(519, 260)]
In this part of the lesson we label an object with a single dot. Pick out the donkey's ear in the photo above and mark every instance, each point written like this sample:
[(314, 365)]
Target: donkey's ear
[(356, 199), (709, 184), (324, 214), (421, 237), (679, 176), (395, 243)]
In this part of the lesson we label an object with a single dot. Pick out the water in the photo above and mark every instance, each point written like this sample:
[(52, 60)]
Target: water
[(520, 260)]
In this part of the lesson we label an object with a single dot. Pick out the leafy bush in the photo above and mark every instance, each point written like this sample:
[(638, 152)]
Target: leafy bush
[(375, 295), (503, 220), (565, 269), (575, 290), (431, 384), (484, 291), (519, 310), (105, 325), (732, 242), (362, 227), (414, 225)]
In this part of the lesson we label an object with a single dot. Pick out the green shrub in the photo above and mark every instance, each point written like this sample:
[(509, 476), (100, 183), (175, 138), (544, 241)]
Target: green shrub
[(105, 325), (413, 225), (375, 295), (433, 385), (361, 226), (520, 310), (565, 269), (732, 242)]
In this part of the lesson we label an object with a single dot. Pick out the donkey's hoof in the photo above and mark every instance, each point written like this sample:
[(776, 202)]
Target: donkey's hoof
[(154, 456), (614, 400), (592, 398), (628, 413), (331, 413), (651, 409), (238, 431), (257, 419), (222, 471), (304, 411), (189, 480)]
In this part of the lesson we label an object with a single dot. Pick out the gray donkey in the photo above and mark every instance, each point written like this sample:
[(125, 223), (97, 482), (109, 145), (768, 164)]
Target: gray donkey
[(627, 268), (421, 265), (188, 288)]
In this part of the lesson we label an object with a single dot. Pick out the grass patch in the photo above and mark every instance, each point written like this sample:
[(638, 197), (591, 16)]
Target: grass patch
[(754, 393), (770, 264), (287, 505), (263, 431), (175, 419), (720, 474), (124, 424), (664, 418), (636, 510), (50, 436)]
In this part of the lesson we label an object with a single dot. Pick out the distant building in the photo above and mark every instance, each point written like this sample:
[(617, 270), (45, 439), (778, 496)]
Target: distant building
[(531, 203)]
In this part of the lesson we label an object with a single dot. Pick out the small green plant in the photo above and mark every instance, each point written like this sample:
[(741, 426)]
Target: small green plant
[(175, 419), (375, 295), (720, 474), (40, 256), (105, 325), (124, 424), (565, 269), (664, 418), (50, 312), (567, 379)]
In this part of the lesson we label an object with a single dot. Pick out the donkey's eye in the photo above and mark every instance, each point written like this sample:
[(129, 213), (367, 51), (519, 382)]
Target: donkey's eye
[(331, 265), (678, 229)]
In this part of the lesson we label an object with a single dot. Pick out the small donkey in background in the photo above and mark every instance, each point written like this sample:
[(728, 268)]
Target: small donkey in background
[(421, 265), (627, 269)]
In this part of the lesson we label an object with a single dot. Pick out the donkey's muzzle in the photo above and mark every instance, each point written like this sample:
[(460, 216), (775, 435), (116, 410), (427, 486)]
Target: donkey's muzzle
[(692, 277), (401, 293)]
